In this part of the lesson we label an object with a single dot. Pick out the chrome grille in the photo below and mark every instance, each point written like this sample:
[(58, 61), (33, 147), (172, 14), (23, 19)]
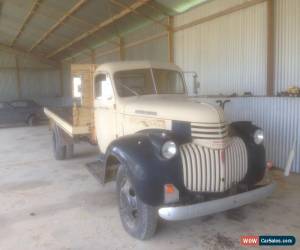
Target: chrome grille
[(213, 170), (208, 131)]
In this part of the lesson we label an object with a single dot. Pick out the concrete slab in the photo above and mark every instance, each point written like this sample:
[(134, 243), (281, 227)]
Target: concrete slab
[(48, 204)]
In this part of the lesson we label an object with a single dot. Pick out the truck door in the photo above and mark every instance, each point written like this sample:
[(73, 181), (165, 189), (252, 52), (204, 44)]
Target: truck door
[(105, 113)]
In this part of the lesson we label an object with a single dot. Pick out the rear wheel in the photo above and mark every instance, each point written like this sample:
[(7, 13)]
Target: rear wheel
[(69, 151), (59, 150), (138, 218), (32, 121)]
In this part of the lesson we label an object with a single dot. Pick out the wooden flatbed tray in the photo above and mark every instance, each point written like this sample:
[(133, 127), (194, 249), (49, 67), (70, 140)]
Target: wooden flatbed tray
[(63, 118)]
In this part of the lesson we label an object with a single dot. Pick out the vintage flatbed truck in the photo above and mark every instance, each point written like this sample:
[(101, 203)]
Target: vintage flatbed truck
[(171, 156)]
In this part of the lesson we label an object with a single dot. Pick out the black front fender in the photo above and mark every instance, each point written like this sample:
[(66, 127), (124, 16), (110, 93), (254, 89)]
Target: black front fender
[(256, 153), (147, 169)]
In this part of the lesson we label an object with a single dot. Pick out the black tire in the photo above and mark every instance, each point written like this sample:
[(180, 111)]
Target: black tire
[(69, 151), (138, 218), (32, 121), (59, 150)]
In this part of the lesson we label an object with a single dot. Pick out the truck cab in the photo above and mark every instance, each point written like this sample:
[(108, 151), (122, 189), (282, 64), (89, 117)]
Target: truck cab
[(172, 156), (125, 94)]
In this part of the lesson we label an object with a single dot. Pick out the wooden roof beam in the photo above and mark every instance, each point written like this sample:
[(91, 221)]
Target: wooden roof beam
[(28, 17), (100, 26), (20, 52), (60, 22), (125, 6)]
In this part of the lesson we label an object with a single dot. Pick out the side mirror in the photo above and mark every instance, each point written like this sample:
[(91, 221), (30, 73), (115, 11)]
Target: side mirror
[(196, 84), (195, 81)]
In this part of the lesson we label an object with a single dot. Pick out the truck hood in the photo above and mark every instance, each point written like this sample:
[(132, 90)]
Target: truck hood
[(173, 107)]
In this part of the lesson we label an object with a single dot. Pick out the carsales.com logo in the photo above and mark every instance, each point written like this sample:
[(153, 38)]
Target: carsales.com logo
[(264, 240)]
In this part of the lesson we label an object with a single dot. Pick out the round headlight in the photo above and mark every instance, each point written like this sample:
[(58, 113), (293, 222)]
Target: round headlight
[(258, 136), (169, 149)]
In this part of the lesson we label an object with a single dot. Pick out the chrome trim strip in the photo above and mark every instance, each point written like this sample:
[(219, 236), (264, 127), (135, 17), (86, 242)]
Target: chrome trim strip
[(216, 206)]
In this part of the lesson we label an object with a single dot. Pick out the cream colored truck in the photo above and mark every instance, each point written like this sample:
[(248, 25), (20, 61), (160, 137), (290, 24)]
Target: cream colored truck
[(172, 156)]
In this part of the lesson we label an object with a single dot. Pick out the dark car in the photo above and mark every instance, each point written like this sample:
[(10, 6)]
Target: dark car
[(21, 111)]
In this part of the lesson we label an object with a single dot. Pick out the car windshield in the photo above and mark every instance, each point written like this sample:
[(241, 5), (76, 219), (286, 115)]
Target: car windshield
[(140, 82)]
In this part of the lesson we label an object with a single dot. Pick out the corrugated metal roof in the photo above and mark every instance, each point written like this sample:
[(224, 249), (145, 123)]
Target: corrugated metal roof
[(90, 14)]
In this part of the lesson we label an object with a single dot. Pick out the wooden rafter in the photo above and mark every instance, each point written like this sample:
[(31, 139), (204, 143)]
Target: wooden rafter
[(270, 46), (17, 51), (201, 20), (100, 26), (154, 6), (125, 6), (60, 22), (225, 12), (28, 17), (171, 39)]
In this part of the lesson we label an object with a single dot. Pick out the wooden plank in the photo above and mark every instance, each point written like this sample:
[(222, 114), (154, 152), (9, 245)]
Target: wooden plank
[(19, 91), (59, 23), (98, 27), (28, 17), (93, 57), (65, 126), (171, 39), (271, 46)]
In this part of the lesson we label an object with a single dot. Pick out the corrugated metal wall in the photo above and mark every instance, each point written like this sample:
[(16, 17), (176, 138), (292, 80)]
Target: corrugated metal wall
[(8, 77), (36, 80), (156, 50), (228, 53), (287, 21), (277, 116)]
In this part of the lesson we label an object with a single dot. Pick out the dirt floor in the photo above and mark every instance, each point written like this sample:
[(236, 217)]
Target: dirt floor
[(48, 204)]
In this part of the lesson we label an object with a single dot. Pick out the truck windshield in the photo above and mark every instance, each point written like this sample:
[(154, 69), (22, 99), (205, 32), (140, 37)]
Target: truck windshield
[(140, 82), (168, 81)]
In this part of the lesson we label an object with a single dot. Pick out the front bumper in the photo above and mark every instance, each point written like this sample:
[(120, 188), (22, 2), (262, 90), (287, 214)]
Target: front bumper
[(215, 206)]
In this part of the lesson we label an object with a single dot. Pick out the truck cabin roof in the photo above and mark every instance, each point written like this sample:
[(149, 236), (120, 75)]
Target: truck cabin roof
[(130, 65)]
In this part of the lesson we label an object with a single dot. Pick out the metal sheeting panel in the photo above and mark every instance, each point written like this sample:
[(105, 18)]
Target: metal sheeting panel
[(287, 44), (66, 72), (40, 83), (209, 8), (228, 53), (277, 116), (156, 50), (108, 58), (8, 85), (7, 60)]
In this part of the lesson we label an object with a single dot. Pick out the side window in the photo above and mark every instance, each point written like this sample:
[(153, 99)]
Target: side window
[(102, 87), (77, 86)]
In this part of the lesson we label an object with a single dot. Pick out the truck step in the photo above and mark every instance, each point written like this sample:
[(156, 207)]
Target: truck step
[(97, 169)]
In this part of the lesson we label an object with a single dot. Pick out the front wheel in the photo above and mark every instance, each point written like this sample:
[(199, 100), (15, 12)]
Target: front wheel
[(138, 218)]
